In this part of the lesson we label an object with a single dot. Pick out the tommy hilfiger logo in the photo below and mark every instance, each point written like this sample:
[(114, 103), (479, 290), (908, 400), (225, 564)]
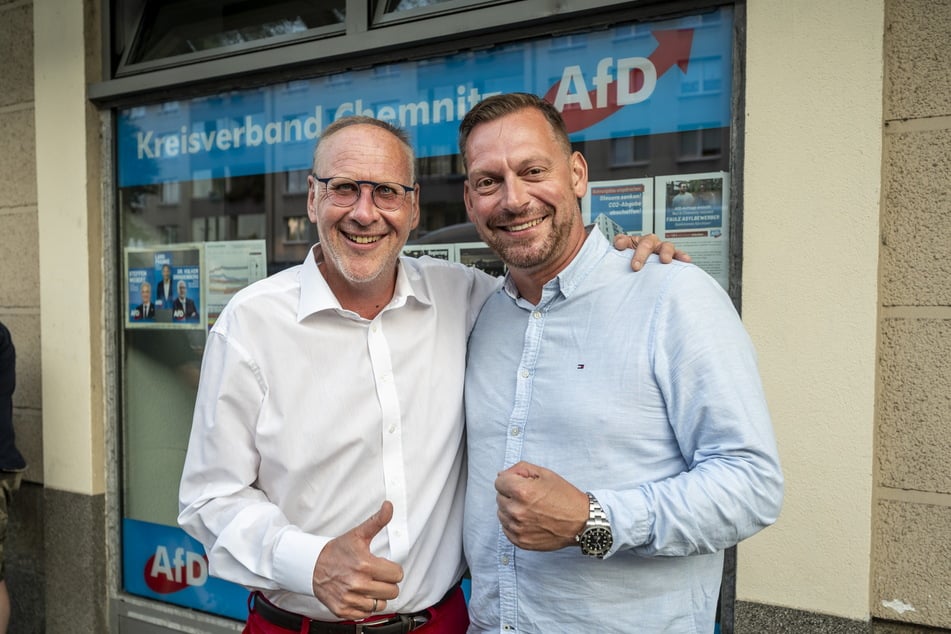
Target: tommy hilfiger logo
[(581, 366)]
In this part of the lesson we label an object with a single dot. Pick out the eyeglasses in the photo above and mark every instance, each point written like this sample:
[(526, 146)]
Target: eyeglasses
[(345, 192)]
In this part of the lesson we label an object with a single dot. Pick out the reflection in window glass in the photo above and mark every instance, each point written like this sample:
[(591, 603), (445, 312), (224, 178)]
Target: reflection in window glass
[(700, 144), (171, 193), (202, 185), (569, 41), (706, 76), (632, 150), (296, 182), (298, 229), (251, 227), (171, 233), (406, 5), (178, 27)]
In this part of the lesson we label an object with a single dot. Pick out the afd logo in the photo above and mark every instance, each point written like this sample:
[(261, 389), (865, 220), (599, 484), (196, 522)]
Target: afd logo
[(633, 80), (166, 574)]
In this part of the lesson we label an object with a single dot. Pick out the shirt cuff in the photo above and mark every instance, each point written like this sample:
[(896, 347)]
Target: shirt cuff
[(295, 556), (630, 516)]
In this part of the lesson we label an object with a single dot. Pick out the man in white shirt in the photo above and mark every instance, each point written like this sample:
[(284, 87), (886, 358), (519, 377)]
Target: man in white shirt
[(326, 465)]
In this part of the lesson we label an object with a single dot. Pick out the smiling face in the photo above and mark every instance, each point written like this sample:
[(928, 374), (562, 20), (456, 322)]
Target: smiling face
[(522, 193), (360, 242)]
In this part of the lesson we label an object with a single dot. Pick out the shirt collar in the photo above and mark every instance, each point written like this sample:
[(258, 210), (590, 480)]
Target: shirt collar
[(564, 284), (315, 293)]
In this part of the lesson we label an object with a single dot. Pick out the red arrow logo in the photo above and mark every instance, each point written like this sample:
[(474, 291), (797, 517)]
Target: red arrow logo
[(673, 47)]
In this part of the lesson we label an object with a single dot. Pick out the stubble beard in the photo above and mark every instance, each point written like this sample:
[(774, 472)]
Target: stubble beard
[(528, 254), (347, 267)]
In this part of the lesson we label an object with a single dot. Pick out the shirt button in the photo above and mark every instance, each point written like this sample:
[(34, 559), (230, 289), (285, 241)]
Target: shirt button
[(524, 374), (515, 431), (507, 628), (391, 429), (537, 315), (505, 560)]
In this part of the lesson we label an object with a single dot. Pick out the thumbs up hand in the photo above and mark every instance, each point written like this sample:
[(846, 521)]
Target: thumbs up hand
[(351, 581)]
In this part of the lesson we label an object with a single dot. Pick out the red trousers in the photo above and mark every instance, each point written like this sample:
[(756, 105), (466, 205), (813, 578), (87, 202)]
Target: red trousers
[(449, 616)]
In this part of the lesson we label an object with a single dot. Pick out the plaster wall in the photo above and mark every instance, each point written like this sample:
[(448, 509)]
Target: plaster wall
[(811, 231), (68, 189)]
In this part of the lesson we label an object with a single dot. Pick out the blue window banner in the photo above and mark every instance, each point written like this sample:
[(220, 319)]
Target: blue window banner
[(163, 563), (657, 77)]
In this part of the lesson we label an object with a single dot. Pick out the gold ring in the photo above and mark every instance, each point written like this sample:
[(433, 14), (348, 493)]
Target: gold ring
[(373, 609)]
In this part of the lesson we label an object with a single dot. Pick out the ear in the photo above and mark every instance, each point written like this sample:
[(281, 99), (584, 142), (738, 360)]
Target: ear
[(415, 221), (466, 198), (579, 175), (312, 186)]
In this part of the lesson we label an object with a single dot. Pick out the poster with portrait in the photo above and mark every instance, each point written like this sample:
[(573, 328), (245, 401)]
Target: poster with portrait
[(693, 212), (163, 287)]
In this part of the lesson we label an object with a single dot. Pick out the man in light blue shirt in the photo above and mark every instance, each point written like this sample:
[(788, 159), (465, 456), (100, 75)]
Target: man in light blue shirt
[(639, 445)]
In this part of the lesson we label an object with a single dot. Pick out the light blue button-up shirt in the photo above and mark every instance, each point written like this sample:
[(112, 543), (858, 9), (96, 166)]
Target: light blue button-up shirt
[(642, 389)]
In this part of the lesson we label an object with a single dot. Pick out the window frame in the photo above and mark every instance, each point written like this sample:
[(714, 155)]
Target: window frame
[(368, 38)]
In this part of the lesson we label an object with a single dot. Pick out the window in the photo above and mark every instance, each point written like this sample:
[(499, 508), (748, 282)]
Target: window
[(631, 150), (295, 182), (171, 193), (173, 28), (389, 11), (243, 178), (171, 233), (700, 144), (705, 77), (298, 229)]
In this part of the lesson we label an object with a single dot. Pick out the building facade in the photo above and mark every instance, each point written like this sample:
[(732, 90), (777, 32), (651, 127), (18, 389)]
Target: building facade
[(839, 156)]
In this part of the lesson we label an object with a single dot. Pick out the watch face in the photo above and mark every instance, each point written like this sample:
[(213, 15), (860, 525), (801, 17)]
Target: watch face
[(596, 541)]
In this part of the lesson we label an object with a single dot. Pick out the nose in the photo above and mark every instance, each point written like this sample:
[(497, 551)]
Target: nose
[(515, 194), (364, 209)]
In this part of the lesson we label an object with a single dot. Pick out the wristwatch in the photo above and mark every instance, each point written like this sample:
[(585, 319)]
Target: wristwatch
[(596, 537)]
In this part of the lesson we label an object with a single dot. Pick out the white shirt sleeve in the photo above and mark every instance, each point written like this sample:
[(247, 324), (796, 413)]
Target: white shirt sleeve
[(247, 538)]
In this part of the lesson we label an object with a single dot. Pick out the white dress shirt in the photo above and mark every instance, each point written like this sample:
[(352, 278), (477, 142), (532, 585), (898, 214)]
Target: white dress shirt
[(309, 416)]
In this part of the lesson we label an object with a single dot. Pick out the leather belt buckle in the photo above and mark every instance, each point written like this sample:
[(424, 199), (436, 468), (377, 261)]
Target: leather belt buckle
[(414, 621), (403, 623)]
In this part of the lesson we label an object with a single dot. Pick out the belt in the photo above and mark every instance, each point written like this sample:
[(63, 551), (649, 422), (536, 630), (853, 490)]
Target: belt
[(393, 624)]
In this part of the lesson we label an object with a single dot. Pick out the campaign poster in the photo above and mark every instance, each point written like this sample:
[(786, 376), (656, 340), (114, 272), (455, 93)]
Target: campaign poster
[(231, 266), (445, 251), (693, 212), (163, 287), (620, 206), (479, 255)]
